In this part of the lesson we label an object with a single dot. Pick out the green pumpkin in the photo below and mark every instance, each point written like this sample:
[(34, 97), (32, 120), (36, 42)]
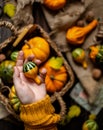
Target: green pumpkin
[(90, 125), (14, 55), (78, 55), (6, 71)]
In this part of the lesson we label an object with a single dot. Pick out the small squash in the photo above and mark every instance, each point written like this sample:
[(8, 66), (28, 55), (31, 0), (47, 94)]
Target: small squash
[(96, 54), (30, 70), (14, 55), (55, 79), (56, 75), (76, 35), (78, 55), (54, 4), (90, 125), (38, 47), (6, 71), (14, 101)]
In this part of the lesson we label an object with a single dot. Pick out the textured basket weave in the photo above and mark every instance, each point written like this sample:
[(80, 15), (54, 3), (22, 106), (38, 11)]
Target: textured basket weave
[(8, 45)]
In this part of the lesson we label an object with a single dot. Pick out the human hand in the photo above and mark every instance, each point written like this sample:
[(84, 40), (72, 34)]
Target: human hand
[(27, 90)]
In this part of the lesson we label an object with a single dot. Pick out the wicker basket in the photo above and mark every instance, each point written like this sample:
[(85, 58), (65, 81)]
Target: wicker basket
[(9, 45)]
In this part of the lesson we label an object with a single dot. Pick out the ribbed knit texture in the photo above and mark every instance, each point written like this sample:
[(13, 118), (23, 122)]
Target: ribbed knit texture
[(40, 115)]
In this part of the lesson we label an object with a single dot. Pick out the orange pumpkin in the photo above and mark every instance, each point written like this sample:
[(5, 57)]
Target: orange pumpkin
[(54, 4), (55, 78), (38, 47)]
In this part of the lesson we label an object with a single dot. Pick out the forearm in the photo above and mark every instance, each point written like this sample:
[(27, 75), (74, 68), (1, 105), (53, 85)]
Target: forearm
[(39, 116)]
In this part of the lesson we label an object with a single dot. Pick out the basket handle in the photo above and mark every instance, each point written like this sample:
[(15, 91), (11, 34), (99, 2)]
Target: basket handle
[(14, 35), (62, 105)]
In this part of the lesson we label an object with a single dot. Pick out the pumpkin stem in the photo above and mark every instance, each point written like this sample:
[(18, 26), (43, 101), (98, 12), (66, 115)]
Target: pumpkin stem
[(26, 42), (53, 78)]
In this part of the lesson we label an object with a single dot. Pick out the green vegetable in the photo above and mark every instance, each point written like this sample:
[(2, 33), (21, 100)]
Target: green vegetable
[(14, 55), (6, 71), (90, 125)]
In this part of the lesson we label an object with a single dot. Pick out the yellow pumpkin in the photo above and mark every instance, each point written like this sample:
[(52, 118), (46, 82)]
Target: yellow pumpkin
[(54, 4), (14, 101), (38, 47)]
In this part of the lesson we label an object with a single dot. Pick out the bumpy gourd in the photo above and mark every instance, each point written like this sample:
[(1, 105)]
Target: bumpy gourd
[(14, 101), (38, 47), (76, 35), (54, 4), (30, 70)]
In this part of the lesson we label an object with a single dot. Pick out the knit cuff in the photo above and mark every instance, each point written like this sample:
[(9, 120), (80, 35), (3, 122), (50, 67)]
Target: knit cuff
[(41, 112)]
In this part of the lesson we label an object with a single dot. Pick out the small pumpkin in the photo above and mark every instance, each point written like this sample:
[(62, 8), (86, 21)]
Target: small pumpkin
[(54, 4), (30, 70), (96, 54), (55, 77), (14, 101), (78, 55), (38, 47), (14, 55), (6, 71), (90, 125), (76, 35)]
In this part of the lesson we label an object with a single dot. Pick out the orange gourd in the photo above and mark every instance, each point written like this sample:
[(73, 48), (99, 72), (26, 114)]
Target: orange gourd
[(54, 4), (30, 70), (76, 35), (38, 47)]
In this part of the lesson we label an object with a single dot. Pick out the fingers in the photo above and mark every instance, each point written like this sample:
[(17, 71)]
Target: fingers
[(20, 59), (42, 74), (16, 77), (37, 62), (30, 58)]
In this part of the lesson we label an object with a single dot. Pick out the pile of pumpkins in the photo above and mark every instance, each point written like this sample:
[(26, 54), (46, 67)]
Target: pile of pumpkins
[(56, 76)]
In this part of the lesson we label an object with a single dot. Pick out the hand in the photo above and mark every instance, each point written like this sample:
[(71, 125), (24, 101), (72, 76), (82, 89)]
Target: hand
[(27, 90)]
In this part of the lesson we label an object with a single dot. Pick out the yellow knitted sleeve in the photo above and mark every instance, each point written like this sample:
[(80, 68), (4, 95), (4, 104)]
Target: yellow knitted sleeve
[(40, 115)]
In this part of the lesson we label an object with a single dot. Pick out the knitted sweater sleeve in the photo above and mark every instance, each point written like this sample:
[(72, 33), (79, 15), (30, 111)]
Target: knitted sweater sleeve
[(40, 115)]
